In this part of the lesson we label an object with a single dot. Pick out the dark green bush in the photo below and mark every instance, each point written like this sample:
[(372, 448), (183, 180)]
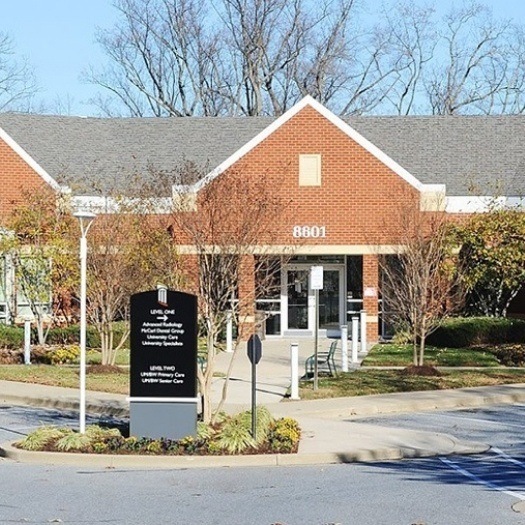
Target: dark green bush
[(71, 335), (466, 332), (11, 336)]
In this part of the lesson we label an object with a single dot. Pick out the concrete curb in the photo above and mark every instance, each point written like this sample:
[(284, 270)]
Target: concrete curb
[(339, 408), (7, 450), (405, 402), (109, 408)]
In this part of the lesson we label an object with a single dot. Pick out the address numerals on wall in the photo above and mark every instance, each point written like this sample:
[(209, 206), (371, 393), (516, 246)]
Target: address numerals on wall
[(309, 232)]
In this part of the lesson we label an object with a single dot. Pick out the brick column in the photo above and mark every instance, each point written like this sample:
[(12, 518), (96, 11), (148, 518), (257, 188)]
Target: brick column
[(370, 296), (246, 297)]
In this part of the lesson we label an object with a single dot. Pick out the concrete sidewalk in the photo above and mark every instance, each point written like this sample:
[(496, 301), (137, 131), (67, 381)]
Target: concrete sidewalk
[(331, 430)]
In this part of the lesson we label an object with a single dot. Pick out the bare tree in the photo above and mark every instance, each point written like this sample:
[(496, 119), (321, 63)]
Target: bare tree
[(131, 251), (230, 233), (473, 63), (165, 59), (421, 282), (413, 40), (17, 83), (258, 57), (264, 38)]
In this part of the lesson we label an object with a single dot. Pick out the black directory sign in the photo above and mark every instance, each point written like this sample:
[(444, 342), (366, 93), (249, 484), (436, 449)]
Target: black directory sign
[(163, 342)]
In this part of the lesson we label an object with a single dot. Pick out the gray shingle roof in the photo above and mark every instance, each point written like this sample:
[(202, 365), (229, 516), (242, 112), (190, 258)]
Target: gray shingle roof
[(470, 154), (89, 153)]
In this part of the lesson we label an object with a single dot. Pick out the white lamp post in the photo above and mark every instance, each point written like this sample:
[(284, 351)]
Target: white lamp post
[(85, 218)]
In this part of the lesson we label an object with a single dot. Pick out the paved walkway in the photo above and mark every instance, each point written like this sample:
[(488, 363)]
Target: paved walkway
[(331, 428)]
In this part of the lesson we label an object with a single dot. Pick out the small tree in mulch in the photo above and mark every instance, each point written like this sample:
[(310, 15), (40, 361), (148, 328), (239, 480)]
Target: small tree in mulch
[(421, 283)]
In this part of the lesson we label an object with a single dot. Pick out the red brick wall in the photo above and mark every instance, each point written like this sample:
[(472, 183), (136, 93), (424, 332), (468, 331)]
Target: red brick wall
[(358, 202), (359, 198), (16, 178)]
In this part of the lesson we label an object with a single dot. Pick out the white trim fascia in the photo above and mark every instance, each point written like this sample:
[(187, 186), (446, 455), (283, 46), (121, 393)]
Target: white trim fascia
[(434, 188), (109, 205), (331, 117), (483, 204), (22, 153), (291, 250)]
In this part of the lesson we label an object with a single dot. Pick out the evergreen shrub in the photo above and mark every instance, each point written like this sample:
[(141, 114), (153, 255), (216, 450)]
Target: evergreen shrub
[(465, 332)]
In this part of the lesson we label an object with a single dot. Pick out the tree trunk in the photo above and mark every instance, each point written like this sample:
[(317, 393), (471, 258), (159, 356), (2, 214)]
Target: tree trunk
[(206, 383), (421, 350)]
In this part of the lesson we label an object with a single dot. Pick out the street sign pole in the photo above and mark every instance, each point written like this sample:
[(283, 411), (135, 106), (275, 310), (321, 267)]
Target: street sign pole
[(254, 400), (316, 341), (316, 283), (254, 348)]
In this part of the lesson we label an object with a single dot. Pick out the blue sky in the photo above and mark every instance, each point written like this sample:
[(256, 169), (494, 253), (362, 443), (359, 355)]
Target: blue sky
[(57, 37)]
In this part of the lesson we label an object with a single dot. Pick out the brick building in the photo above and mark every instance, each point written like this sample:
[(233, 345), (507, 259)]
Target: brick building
[(343, 184)]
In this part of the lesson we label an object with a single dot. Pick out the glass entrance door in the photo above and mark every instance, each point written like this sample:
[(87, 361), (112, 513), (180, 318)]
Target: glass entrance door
[(299, 298), (297, 281), (330, 299)]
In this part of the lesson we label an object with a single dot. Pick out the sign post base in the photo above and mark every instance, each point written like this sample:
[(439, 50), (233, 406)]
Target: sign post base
[(158, 418)]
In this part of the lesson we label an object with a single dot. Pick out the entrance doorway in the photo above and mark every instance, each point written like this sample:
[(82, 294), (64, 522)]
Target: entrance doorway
[(298, 299)]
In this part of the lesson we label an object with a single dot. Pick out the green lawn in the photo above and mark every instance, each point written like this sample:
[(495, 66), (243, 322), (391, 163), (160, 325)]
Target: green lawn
[(401, 355), (66, 376), (364, 382), (94, 357)]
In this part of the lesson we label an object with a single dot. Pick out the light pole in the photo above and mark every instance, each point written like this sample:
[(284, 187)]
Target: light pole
[(85, 218)]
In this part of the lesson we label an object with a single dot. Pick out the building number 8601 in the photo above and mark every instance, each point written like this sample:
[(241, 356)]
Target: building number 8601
[(309, 232)]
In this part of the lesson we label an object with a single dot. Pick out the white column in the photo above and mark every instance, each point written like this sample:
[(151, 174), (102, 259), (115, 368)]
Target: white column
[(294, 365), (27, 342), (344, 348), (355, 336), (363, 331)]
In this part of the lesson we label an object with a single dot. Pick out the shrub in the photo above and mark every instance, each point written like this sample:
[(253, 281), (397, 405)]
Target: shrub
[(71, 334), (10, 356), (11, 336), (65, 354), (263, 421), (284, 436), (42, 437), (234, 436), (231, 436), (52, 355), (64, 335), (73, 442), (235, 433), (474, 331), (510, 354)]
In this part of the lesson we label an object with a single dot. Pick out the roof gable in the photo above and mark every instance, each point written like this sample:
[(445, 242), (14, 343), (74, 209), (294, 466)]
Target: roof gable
[(331, 117)]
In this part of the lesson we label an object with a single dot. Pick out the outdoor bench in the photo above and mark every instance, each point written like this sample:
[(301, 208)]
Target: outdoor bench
[(325, 362)]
